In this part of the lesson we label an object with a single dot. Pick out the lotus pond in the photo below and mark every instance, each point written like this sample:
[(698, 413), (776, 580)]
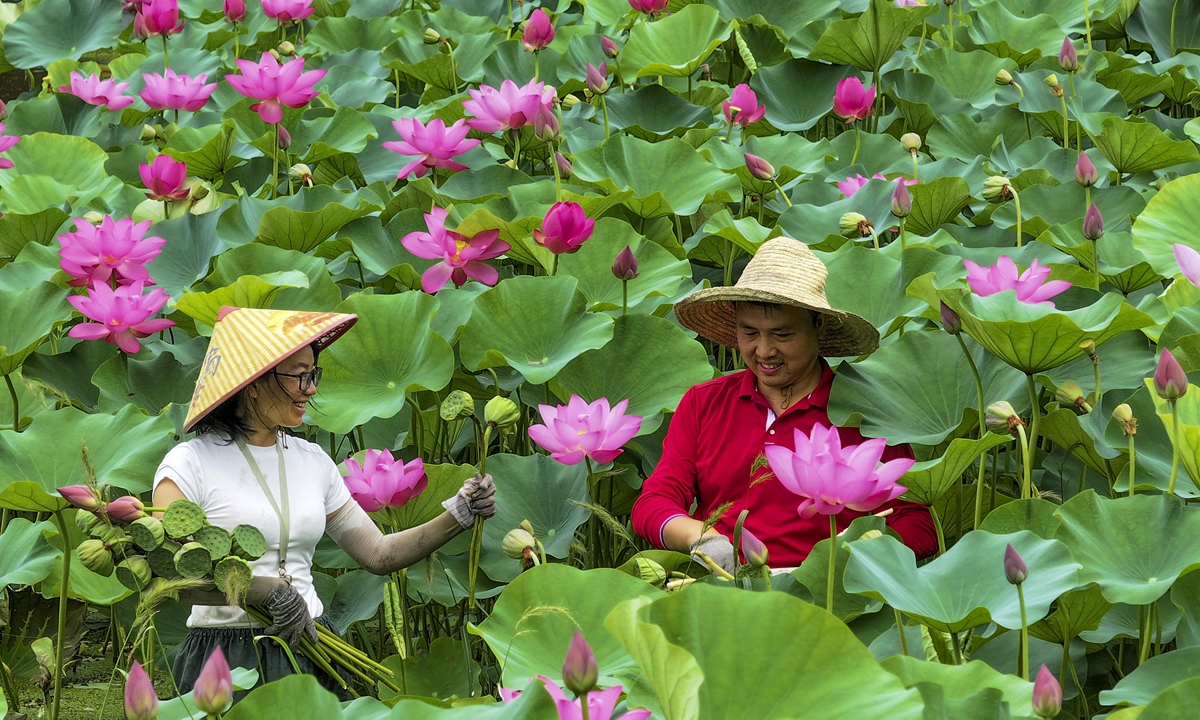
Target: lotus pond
[(511, 195)]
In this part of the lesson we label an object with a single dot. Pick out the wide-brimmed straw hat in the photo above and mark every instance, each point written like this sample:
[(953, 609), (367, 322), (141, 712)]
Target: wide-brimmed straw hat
[(247, 342), (784, 272)]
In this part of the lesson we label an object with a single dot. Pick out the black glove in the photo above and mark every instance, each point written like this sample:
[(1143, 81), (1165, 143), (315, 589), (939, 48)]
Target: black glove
[(477, 497), (718, 549), (289, 615)]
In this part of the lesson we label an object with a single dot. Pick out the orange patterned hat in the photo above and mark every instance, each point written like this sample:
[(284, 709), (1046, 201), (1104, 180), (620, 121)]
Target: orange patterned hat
[(247, 342)]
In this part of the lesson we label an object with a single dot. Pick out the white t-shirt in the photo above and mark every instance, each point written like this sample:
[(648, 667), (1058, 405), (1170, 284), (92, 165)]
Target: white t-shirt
[(217, 477)]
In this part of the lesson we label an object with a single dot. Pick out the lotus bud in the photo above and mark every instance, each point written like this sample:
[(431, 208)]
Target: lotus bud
[(759, 167), (753, 549), (911, 142), (1085, 171), (951, 322), (650, 571), (1069, 393), (285, 138), (1001, 418), (302, 173), (1047, 694), (198, 189), (997, 189), (610, 47), (518, 543), (213, 691), (705, 73), (947, 2), (95, 556), (901, 200), (287, 48), (87, 522), (149, 132), (1068, 59), (501, 412), (580, 669), (871, 535), (526, 526), (1003, 78), (235, 11), (1093, 223), (141, 701), (82, 497), (1124, 415), (140, 31), (3, 110), (853, 225), (597, 78), (564, 165), (125, 510), (1170, 382), (625, 267), (431, 37), (1015, 570), (545, 125)]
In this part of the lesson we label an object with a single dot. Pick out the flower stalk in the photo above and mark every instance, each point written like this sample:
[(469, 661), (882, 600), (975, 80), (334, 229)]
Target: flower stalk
[(833, 546)]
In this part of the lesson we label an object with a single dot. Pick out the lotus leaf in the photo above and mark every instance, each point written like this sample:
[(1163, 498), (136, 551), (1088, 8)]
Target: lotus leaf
[(1134, 147), (57, 29), (792, 111), (963, 681), (300, 696), (813, 573), (443, 672), (1185, 595), (1078, 611), (1168, 219), (869, 40), (661, 276), (927, 481), (358, 596), (675, 46), (25, 556)]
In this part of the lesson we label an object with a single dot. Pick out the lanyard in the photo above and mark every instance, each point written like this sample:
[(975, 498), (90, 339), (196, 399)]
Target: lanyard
[(283, 515)]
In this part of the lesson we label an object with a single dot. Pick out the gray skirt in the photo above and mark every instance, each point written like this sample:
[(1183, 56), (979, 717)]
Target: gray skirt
[(240, 650)]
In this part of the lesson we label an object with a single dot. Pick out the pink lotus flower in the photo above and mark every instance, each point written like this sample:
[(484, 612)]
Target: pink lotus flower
[(164, 178), (564, 165), (1093, 223), (1188, 259), (539, 31), (601, 703), (433, 145), (93, 253), (610, 48), (161, 17), (6, 142), (94, 91), (1170, 381), (214, 687), (851, 185), (381, 481), (596, 78), (235, 11), (1015, 569), (1047, 694), (461, 257), (82, 497), (120, 316), (753, 549), (650, 7), (176, 92), (141, 700), (564, 229), (625, 267), (1031, 286), (851, 101), (831, 478), (1085, 171), (286, 11), (508, 108), (742, 107), (579, 429), (125, 510), (580, 669), (275, 85), (909, 3)]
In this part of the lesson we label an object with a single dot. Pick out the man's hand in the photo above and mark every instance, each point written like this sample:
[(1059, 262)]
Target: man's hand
[(718, 549), (476, 497)]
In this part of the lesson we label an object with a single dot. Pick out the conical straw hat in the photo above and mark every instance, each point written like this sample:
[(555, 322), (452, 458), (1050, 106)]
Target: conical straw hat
[(247, 342), (784, 272)]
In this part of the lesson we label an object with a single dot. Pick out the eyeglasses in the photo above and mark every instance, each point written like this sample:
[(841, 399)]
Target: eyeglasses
[(312, 378)]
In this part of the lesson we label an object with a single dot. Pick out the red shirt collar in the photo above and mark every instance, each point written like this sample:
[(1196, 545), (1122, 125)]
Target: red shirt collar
[(819, 397)]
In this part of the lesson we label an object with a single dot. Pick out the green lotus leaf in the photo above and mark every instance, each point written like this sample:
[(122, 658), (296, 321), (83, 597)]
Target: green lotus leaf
[(660, 274), (927, 481), (791, 157), (30, 308), (788, 18), (251, 291), (257, 259), (192, 243), (294, 222), (298, 696), (1152, 677), (443, 672), (444, 483), (653, 112), (968, 76), (85, 584), (344, 130), (1185, 595), (1133, 80), (915, 389), (650, 362), (443, 577), (963, 681), (1034, 514), (25, 556), (1134, 147), (542, 491), (813, 573), (1076, 612), (936, 203), (391, 351), (1178, 700), (346, 34), (1152, 23), (1169, 218), (567, 600), (1044, 205), (358, 596), (72, 162), (1064, 428), (17, 231), (1033, 338), (535, 325), (688, 665), (872, 284), (675, 46), (869, 40), (966, 586), (350, 86), (125, 449), (665, 177), (1154, 449), (1125, 621), (965, 137), (208, 151), (742, 233), (149, 383), (791, 111), (1133, 547), (69, 373), (1188, 437), (533, 704), (57, 29)]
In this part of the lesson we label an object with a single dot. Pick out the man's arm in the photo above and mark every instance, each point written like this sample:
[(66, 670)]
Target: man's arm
[(911, 521), (660, 514)]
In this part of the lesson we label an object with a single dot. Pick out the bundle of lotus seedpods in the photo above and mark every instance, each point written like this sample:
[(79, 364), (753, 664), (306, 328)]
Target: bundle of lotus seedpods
[(138, 547)]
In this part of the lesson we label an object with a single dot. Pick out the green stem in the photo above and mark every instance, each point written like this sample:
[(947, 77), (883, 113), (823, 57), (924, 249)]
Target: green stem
[(396, 74), (1174, 11), (166, 59), (938, 530), (583, 704), (916, 167), (857, 145), (1024, 661), (275, 163), (833, 537), (1066, 128), (1017, 202), (237, 43), (1175, 442), (1087, 23), (624, 298), (1026, 481), (1132, 464), (16, 403), (766, 576), (875, 238), (1035, 414), (924, 32), (1146, 631), (786, 199), (553, 265), (537, 65), (64, 589), (956, 647), (982, 427), (900, 629), (950, 26), (516, 158), (557, 175), (903, 237), (604, 107)]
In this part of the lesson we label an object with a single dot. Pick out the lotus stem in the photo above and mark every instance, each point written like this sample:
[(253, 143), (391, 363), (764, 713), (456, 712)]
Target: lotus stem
[(537, 65), (607, 132), (921, 44), (786, 199), (956, 647), (1023, 671), (237, 44), (857, 145), (166, 58), (900, 630), (1175, 440), (477, 531), (1087, 23), (1132, 463), (982, 422), (875, 238), (1026, 481), (938, 530), (1017, 204), (833, 543), (1035, 415), (1066, 128), (583, 704), (16, 403), (557, 176), (950, 26), (712, 566), (64, 589), (624, 298), (1146, 631), (275, 164), (903, 237), (516, 158), (916, 167), (766, 576), (553, 265), (396, 75), (1174, 11)]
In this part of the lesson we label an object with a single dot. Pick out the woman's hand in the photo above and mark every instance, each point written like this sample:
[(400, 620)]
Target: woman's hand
[(290, 620), (475, 498)]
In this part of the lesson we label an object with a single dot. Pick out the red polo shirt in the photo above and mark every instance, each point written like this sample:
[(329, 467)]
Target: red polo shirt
[(716, 434)]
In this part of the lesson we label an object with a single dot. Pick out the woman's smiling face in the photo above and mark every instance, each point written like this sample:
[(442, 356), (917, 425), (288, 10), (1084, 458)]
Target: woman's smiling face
[(278, 400)]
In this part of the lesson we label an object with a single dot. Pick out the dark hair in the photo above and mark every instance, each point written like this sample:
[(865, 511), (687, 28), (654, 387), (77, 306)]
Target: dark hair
[(815, 316), (228, 420)]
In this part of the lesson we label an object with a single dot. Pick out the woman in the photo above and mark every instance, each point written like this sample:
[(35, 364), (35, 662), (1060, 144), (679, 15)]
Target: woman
[(258, 376)]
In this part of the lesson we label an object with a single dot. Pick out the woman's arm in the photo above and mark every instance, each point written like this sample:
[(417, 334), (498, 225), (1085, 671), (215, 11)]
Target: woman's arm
[(354, 531)]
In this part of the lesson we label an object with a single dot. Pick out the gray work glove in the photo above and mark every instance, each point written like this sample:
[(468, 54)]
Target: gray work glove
[(288, 610), (718, 549), (476, 497)]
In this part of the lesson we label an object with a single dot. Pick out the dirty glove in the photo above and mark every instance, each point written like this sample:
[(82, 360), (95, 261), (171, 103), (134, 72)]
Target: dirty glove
[(718, 549), (477, 497), (288, 610)]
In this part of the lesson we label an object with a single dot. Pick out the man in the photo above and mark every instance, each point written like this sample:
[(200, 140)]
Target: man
[(778, 318)]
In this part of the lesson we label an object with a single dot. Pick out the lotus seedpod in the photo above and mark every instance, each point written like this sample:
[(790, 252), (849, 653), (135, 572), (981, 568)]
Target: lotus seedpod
[(997, 189), (87, 522), (501, 412), (911, 142), (853, 225), (457, 406), (147, 533), (1002, 419), (134, 572), (1124, 415), (517, 543), (248, 542), (1071, 395), (650, 571), (149, 132), (111, 535), (215, 539), (95, 556), (287, 48), (162, 559), (232, 576), (1004, 78), (182, 518), (193, 560), (431, 37)]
